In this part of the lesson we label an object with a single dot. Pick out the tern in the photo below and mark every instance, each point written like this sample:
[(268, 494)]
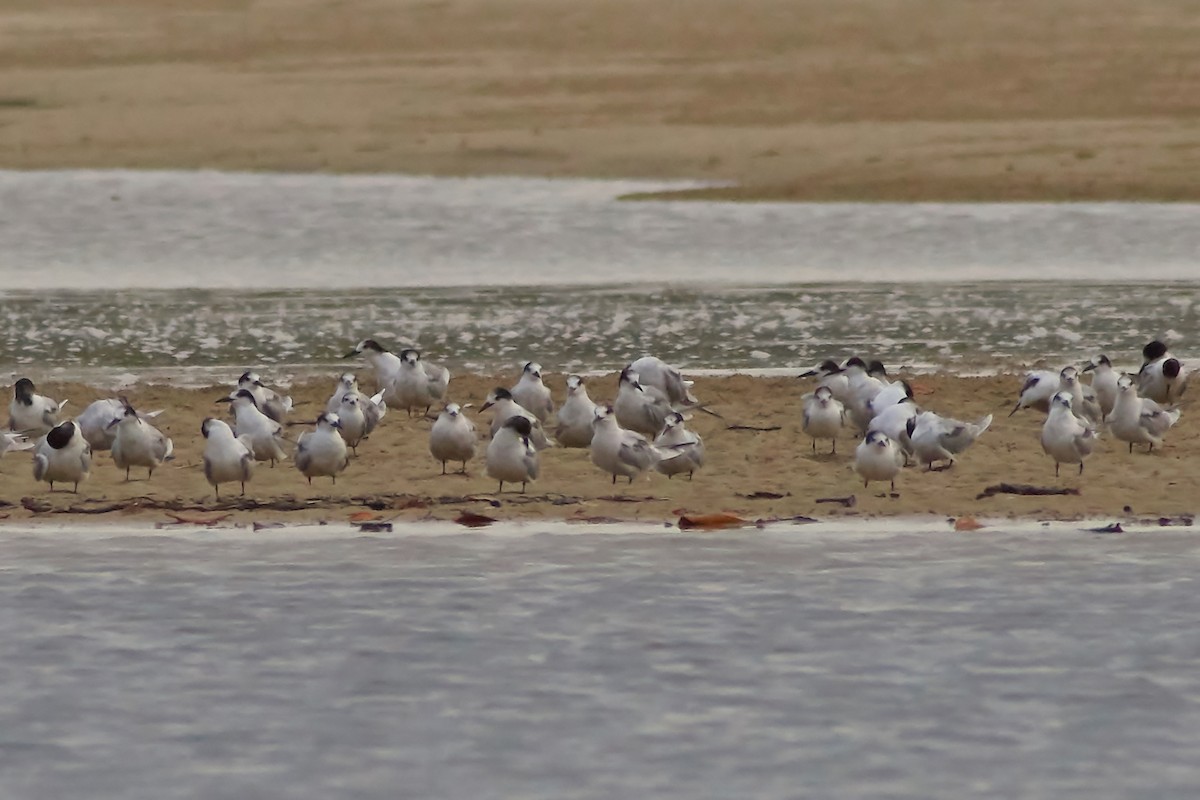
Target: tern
[(877, 458), (576, 415), (62, 456), (937, 438), (270, 402), (824, 416), (322, 452), (1104, 383), (227, 458), (532, 394), (96, 421), (1139, 420), (139, 444), (506, 408), (264, 434), (833, 377), (1162, 377), (618, 451), (511, 455), (453, 437), (640, 408), (682, 450), (656, 373), (30, 412), (1065, 437)]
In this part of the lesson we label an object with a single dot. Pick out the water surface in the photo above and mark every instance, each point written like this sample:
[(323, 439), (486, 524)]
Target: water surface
[(850, 660), (116, 276)]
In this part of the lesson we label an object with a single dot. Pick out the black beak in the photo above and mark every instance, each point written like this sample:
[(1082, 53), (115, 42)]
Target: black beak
[(352, 354), (1088, 367)]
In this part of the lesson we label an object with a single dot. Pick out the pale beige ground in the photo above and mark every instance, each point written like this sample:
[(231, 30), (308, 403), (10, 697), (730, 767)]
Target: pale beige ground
[(792, 99), (395, 467)]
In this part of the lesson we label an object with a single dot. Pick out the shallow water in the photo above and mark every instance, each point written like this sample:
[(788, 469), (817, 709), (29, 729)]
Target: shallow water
[(870, 660), (114, 276)]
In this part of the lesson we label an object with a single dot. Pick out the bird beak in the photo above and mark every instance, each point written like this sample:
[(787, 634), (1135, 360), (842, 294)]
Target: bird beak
[(484, 407), (225, 399), (808, 374), (1088, 367), (352, 354), (112, 424)]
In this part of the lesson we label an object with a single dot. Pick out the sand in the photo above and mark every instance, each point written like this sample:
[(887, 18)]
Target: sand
[(770, 474), (783, 99)]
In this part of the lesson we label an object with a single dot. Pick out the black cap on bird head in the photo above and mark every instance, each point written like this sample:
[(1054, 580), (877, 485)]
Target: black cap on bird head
[(23, 391), (204, 426), (876, 368), (520, 425), (1172, 368), (1154, 351), (855, 361), (60, 436)]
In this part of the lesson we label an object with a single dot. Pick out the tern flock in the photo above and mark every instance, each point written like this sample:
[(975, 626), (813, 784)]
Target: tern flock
[(643, 429)]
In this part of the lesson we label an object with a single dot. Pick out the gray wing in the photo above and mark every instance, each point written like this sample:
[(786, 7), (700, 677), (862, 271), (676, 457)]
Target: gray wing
[(303, 457), (532, 466), (163, 447), (637, 453)]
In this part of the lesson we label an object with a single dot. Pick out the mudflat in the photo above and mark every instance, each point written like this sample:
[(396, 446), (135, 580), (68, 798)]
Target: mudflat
[(766, 468), (781, 99)]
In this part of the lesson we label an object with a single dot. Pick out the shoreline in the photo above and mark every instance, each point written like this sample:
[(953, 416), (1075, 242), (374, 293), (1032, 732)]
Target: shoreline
[(752, 474)]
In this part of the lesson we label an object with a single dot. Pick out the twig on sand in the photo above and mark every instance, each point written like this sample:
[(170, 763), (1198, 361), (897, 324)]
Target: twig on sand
[(1024, 489), (756, 428), (845, 502)]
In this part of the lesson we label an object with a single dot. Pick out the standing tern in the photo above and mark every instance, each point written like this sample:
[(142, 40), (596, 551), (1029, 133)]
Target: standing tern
[(824, 416), (511, 456), (640, 408), (322, 452), (96, 422), (682, 450), (936, 438), (139, 444), (264, 434), (62, 456), (1139, 420), (1065, 437), (877, 458), (532, 394), (619, 451), (453, 437), (227, 458), (576, 415), (1104, 383)]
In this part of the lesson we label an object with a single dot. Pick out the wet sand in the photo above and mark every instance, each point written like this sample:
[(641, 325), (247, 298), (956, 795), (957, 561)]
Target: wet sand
[(770, 474), (786, 99)]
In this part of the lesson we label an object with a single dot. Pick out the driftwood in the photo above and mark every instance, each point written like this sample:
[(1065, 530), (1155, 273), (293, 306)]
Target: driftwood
[(755, 428), (846, 502), (764, 495), (1024, 489), (798, 519)]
